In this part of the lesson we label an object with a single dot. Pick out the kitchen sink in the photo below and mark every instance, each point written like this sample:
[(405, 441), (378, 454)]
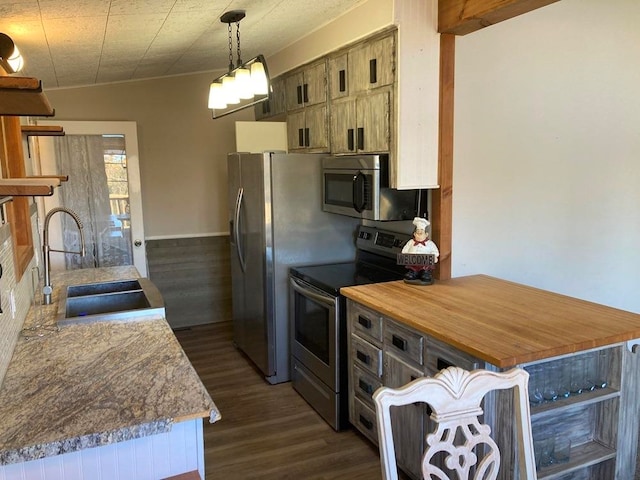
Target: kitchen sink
[(120, 300)]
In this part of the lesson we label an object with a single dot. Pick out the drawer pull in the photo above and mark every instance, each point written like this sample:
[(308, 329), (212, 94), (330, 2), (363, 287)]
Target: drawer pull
[(342, 80), (373, 70), (399, 342), (366, 423), (365, 387), (364, 321), (299, 92), (350, 139), (363, 357)]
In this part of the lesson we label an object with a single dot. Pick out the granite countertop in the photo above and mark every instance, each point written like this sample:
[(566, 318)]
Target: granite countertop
[(501, 322), (94, 384)]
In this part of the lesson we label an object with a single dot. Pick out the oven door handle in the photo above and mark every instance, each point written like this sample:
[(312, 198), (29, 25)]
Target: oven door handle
[(326, 299)]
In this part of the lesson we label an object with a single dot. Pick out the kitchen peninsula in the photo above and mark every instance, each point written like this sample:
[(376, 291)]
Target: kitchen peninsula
[(399, 332), (125, 387)]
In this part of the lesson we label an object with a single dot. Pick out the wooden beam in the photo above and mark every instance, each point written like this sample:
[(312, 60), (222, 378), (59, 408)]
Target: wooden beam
[(465, 16), (442, 198)]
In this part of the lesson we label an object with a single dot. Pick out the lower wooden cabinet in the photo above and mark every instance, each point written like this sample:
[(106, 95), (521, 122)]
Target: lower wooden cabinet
[(599, 419)]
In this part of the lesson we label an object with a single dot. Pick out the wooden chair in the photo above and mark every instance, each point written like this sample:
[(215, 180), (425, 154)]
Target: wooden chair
[(454, 396)]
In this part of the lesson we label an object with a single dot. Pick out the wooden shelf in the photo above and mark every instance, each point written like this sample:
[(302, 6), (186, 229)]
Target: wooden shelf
[(42, 130), (582, 456), (23, 96), (32, 186), (586, 398)]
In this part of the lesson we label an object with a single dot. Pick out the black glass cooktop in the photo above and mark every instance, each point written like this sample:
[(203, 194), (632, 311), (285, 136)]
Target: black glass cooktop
[(332, 277)]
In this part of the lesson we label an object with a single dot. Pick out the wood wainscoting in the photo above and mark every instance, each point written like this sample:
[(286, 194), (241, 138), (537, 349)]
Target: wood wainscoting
[(194, 278)]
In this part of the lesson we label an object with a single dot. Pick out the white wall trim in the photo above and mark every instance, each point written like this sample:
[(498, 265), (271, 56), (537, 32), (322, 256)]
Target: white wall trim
[(187, 235)]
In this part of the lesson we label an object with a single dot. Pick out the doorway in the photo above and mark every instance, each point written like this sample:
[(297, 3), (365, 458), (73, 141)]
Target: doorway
[(101, 159)]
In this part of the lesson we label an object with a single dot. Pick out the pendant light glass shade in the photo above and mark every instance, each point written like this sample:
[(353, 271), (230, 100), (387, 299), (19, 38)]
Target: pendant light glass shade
[(230, 90), (244, 88), (216, 96), (259, 80)]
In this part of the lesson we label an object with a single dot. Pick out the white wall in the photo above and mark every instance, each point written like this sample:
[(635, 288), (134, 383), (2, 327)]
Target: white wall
[(547, 151)]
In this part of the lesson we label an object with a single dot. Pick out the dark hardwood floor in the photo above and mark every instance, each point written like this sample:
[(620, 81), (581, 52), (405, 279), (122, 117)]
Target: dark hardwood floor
[(267, 431)]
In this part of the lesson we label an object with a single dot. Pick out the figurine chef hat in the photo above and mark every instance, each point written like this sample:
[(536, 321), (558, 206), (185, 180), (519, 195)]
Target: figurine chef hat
[(421, 223)]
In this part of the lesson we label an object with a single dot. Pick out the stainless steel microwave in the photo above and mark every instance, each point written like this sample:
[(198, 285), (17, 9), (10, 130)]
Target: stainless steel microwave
[(358, 186)]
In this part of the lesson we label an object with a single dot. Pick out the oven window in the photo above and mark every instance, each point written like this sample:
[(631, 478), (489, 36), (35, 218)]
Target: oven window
[(312, 320)]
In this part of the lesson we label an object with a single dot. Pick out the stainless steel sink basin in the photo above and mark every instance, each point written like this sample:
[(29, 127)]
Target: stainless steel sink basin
[(117, 300)]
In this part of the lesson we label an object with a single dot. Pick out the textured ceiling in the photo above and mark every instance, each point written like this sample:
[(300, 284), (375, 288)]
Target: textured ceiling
[(83, 42)]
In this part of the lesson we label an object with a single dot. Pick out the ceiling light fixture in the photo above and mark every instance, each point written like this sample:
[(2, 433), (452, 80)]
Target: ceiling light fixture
[(243, 86), (10, 58)]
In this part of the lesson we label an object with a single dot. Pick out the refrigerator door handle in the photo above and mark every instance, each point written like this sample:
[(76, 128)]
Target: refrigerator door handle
[(326, 299), (236, 232)]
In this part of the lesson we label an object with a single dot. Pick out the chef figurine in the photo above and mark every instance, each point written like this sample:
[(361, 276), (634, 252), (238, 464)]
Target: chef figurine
[(420, 243)]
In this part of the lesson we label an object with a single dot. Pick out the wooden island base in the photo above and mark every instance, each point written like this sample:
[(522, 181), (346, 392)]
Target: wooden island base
[(398, 332)]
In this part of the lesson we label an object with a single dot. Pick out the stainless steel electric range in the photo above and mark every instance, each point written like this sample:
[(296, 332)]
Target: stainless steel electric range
[(317, 314)]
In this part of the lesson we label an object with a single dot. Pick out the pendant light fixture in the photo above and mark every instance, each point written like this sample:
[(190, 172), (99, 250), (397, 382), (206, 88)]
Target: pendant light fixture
[(242, 86), (10, 57)]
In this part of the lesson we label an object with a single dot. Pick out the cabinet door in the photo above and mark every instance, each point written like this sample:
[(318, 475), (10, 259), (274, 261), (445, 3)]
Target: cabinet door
[(373, 129), (343, 126), (338, 86), (315, 133), (278, 101), (295, 130), (407, 422), (314, 87), (293, 91), (372, 65)]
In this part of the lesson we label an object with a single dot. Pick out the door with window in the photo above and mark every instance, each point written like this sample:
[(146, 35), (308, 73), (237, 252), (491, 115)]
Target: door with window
[(101, 160)]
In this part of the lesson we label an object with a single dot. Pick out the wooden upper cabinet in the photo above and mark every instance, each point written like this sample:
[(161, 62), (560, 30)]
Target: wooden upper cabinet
[(276, 104), (307, 86), (361, 124), (363, 67), (307, 129), (338, 85), (372, 64)]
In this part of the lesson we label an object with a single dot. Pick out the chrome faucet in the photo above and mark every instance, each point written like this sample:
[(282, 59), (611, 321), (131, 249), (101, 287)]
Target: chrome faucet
[(46, 289)]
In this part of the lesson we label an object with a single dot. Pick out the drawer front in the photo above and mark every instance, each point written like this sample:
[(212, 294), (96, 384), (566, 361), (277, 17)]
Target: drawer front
[(364, 384), (367, 323), (439, 355), (403, 342), (366, 356), (364, 419)]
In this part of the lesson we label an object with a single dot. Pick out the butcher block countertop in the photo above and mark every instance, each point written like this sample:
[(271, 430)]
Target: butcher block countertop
[(501, 322), (94, 384)]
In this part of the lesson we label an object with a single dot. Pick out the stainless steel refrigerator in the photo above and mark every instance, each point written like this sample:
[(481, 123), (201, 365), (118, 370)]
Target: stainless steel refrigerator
[(276, 221)]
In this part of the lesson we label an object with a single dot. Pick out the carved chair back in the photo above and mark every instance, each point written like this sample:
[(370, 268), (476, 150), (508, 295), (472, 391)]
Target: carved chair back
[(455, 397)]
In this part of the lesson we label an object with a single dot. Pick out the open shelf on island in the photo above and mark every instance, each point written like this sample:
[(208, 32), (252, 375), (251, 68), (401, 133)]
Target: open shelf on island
[(586, 398), (582, 456)]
